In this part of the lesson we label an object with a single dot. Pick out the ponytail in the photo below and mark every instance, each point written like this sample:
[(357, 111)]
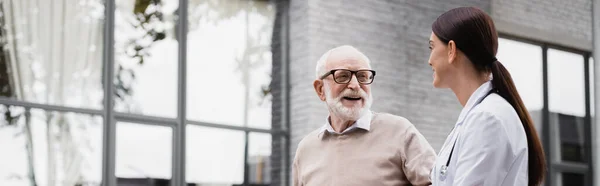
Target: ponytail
[(505, 87)]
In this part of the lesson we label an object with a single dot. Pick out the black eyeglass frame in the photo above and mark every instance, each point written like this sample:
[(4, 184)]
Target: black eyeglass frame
[(352, 73)]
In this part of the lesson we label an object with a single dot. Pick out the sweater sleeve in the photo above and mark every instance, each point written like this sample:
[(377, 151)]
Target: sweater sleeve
[(297, 181), (295, 175), (418, 157)]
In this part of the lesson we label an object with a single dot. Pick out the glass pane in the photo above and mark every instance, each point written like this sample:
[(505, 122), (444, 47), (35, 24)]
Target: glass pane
[(259, 158), (592, 103), (566, 83), (229, 48), (146, 57), (572, 134), (143, 153), (524, 62), (566, 91), (49, 148), (214, 156), (572, 179), (51, 52)]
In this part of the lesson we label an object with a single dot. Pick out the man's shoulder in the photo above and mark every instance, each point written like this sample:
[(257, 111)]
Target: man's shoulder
[(390, 121), (309, 139)]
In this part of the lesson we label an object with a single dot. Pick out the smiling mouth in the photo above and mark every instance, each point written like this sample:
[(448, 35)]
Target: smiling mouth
[(352, 98)]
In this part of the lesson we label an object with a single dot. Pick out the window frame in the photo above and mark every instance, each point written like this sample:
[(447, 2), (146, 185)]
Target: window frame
[(554, 165)]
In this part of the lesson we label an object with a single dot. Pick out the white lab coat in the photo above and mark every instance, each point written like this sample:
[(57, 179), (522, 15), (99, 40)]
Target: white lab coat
[(491, 145)]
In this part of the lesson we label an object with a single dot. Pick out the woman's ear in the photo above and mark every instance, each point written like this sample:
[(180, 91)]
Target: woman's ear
[(318, 85), (452, 53)]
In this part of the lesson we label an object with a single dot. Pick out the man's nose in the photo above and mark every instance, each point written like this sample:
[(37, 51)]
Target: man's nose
[(353, 84)]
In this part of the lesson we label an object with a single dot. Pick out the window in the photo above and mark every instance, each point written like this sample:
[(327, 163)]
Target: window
[(591, 78), (259, 158), (566, 89), (49, 148), (52, 56), (143, 151), (524, 63), (146, 57), (98, 96), (572, 179), (558, 109), (215, 156), (566, 83), (229, 59)]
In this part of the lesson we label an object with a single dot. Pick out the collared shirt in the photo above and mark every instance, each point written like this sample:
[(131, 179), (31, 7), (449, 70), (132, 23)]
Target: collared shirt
[(363, 122)]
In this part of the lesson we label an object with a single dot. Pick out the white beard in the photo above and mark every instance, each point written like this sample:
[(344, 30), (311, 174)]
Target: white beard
[(336, 107)]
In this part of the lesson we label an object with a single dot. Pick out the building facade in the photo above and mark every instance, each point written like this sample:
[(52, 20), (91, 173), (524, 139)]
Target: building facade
[(219, 92), (546, 46)]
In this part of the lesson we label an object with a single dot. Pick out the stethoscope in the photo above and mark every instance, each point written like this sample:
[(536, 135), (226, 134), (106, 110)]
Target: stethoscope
[(444, 168)]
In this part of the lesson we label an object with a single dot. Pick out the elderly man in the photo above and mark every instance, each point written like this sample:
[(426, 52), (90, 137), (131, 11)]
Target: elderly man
[(356, 146)]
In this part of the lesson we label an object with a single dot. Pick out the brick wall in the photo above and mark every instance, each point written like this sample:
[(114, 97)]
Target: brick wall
[(572, 18)]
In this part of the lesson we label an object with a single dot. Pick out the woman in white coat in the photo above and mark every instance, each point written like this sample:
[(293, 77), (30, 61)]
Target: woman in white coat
[(494, 141)]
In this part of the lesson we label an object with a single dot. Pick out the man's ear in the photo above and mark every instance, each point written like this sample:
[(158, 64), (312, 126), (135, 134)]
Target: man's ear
[(318, 84), (452, 53)]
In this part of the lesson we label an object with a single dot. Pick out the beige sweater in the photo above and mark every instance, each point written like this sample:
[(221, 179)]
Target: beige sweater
[(393, 152)]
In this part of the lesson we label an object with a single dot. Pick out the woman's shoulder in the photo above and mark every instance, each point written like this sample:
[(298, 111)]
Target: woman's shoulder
[(494, 118), (496, 113), (497, 107)]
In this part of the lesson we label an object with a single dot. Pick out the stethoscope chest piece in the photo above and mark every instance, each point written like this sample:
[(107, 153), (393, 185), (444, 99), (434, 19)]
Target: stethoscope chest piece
[(443, 172)]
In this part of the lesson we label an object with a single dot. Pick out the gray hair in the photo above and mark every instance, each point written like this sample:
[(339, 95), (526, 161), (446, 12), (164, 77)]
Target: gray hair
[(320, 69)]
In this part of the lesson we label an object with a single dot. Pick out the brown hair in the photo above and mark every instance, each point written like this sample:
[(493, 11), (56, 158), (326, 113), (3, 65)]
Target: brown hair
[(474, 33)]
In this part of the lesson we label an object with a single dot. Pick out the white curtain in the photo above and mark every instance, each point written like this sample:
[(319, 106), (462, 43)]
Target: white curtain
[(55, 49), (55, 57)]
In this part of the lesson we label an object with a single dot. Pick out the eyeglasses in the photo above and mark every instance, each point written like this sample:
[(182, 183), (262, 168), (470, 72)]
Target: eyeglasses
[(343, 76)]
